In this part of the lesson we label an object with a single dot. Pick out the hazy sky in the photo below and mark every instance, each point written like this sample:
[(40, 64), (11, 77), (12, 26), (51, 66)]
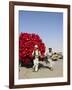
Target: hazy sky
[(48, 25)]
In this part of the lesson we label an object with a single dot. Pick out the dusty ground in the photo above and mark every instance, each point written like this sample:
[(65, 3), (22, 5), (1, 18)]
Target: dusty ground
[(43, 72)]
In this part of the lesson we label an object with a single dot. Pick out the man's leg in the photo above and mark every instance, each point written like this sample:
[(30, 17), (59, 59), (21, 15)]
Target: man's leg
[(50, 64), (36, 67), (33, 65)]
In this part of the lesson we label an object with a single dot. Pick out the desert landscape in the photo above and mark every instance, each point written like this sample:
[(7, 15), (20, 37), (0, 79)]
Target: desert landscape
[(43, 72)]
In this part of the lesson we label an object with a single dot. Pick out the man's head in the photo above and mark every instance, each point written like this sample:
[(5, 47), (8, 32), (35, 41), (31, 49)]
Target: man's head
[(50, 49), (36, 46)]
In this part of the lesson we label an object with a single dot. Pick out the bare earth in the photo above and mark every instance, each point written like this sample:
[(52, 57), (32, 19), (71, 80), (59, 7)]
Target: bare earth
[(43, 72)]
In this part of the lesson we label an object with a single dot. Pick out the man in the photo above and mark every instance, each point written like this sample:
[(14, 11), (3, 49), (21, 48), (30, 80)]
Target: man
[(36, 54), (49, 58)]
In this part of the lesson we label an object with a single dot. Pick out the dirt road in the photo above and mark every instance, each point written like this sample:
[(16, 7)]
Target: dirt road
[(43, 72)]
